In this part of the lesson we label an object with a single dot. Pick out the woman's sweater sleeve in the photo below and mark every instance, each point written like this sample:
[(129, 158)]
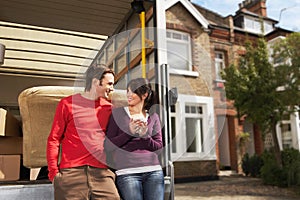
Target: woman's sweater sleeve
[(151, 143), (115, 137)]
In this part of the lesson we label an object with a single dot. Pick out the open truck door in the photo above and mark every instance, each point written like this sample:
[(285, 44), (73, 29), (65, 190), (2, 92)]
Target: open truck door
[(139, 49)]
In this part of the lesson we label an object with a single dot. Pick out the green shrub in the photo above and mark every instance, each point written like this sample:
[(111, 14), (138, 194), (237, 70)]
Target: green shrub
[(256, 163), (287, 175), (291, 166), (252, 165), (266, 167), (271, 173), (246, 164)]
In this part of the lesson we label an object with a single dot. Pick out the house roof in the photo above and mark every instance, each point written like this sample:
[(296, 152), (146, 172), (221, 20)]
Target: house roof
[(216, 20), (248, 13), (191, 8), (212, 17)]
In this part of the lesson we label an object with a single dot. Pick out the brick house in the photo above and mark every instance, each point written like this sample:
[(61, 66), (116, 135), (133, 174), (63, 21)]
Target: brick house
[(212, 49), (227, 39), (193, 152)]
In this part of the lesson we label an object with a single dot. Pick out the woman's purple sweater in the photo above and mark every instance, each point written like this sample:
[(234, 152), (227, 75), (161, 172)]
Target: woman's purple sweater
[(127, 150)]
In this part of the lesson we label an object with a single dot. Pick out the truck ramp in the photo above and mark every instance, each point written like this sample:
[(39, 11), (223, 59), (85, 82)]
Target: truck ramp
[(27, 192)]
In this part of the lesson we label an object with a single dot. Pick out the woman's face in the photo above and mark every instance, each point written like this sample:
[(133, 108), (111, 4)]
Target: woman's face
[(132, 98)]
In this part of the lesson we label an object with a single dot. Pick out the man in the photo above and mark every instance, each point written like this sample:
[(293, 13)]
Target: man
[(75, 154)]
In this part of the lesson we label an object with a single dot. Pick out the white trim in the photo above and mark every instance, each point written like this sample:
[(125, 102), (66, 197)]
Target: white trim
[(297, 121), (189, 6), (278, 38), (134, 170), (217, 61), (171, 40), (209, 151), (187, 157), (184, 72), (295, 131), (161, 32)]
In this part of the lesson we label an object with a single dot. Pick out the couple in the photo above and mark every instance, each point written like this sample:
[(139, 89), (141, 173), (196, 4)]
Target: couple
[(86, 128)]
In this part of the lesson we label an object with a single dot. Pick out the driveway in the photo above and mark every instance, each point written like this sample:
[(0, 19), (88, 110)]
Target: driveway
[(234, 187)]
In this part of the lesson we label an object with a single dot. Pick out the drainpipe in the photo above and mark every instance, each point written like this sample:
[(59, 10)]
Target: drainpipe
[(142, 19), (138, 7)]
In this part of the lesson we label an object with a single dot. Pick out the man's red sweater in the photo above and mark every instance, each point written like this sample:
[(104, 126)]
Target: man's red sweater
[(77, 134)]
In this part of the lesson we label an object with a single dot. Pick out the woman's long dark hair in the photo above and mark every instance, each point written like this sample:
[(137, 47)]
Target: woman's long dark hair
[(141, 86)]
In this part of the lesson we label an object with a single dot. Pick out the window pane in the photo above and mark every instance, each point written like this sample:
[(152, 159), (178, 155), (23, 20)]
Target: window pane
[(200, 111), (135, 47), (219, 55), (194, 135), (286, 135), (109, 51), (178, 55), (177, 36), (101, 59), (187, 109), (120, 62), (185, 37), (219, 68), (219, 64), (169, 35), (193, 109), (179, 50)]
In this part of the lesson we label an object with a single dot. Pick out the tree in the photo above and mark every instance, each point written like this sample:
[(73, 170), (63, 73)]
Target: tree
[(264, 93), (288, 52)]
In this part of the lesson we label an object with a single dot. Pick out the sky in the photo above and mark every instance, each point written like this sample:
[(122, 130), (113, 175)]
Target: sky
[(287, 12)]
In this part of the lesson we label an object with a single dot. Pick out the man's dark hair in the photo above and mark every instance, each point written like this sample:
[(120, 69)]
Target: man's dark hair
[(97, 72)]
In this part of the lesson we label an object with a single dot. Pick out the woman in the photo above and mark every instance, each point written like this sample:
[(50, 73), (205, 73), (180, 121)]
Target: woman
[(134, 140)]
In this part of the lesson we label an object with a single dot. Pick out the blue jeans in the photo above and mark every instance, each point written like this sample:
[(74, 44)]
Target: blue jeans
[(141, 186)]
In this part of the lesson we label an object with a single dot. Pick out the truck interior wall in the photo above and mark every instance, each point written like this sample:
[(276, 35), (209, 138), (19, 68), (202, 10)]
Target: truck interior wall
[(12, 86)]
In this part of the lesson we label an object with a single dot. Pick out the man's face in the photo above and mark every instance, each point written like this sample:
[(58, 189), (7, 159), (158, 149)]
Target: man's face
[(106, 86)]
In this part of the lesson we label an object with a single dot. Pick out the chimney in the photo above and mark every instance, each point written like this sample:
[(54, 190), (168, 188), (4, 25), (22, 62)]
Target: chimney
[(255, 6)]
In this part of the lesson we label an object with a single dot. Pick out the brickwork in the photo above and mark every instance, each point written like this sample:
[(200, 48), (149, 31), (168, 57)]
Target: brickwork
[(255, 6), (190, 86), (232, 44), (188, 169), (258, 142), (178, 18), (224, 37)]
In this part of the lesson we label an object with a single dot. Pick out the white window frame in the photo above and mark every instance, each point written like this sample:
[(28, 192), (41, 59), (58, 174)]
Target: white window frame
[(189, 71), (253, 24), (217, 61), (295, 131), (280, 135), (208, 132)]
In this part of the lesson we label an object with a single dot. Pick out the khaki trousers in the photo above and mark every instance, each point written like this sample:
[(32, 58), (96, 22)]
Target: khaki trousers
[(85, 183)]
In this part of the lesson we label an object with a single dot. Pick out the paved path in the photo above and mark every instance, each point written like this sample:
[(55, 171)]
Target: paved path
[(233, 188)]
